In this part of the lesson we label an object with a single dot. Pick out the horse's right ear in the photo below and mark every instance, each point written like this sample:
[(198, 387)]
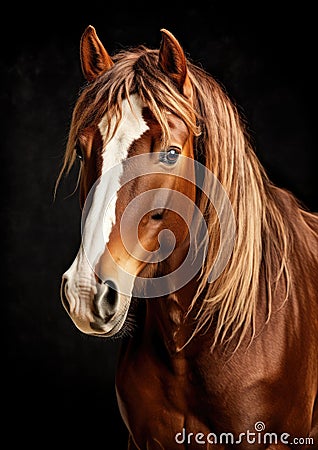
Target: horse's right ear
[(94, 58), (172, 62)]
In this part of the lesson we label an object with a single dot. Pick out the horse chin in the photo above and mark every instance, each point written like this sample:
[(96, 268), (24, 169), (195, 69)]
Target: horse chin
[(122, 324), (114, 328), (132, 319)]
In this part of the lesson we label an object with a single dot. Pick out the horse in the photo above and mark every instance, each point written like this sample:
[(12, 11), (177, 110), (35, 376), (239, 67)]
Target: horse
[(203, 268)]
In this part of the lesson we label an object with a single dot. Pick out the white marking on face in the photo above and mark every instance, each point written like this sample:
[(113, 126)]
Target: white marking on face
[(102, 210), (131, 128), (100, 214)]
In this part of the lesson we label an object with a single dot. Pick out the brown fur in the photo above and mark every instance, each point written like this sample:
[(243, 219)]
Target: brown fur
[(244, 348)]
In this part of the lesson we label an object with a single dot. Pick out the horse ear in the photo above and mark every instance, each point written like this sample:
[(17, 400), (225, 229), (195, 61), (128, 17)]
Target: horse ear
[(94, 58), (172, 62)]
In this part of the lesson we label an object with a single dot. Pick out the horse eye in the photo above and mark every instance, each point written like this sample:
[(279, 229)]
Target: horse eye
[(169, 156), (79, 153)]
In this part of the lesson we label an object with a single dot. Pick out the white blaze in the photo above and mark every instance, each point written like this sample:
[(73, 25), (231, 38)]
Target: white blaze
[(131, 128), (99, 214), (102, 206)]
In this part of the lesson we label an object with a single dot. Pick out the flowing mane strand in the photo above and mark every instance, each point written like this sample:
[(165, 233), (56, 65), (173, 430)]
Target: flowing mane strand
[(262, 236), (222, 144)]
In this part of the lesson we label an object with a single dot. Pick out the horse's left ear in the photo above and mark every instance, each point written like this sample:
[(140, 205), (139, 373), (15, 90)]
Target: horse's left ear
[(172, 62), (94, 58)]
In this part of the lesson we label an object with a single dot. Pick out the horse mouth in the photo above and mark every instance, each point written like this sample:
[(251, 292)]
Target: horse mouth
[(128, 325), (114, 326)]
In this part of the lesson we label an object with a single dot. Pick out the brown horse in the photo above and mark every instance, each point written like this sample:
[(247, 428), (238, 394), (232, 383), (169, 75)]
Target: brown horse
[(206, 270)]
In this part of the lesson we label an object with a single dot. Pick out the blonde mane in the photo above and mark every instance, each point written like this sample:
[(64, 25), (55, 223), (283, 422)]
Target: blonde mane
[(222, 144)]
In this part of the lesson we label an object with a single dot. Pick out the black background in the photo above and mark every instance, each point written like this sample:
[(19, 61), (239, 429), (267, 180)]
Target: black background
[(59, 383)]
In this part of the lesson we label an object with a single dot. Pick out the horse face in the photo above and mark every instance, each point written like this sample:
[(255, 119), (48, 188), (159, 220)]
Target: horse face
[(129, 202)]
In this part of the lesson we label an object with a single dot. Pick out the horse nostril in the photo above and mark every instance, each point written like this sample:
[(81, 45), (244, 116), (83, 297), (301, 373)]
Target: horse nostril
[(112, 295), (106, 300)]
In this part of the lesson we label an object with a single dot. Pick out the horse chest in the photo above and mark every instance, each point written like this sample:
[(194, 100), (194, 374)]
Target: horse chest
[(162, 391), (178, 400), (154, 400), (167, 399)]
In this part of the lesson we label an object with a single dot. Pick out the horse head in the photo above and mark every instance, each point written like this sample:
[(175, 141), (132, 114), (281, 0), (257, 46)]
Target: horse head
[(137, 180)]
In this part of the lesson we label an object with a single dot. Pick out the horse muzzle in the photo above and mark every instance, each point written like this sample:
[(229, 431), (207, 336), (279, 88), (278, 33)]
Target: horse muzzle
[(98, 310)]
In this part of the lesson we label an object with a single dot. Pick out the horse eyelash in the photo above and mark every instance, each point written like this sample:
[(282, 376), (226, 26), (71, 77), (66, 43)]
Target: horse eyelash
[(172, 147)]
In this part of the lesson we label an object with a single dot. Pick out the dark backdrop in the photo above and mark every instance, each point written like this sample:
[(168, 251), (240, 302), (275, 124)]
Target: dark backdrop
[(57, 379)]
